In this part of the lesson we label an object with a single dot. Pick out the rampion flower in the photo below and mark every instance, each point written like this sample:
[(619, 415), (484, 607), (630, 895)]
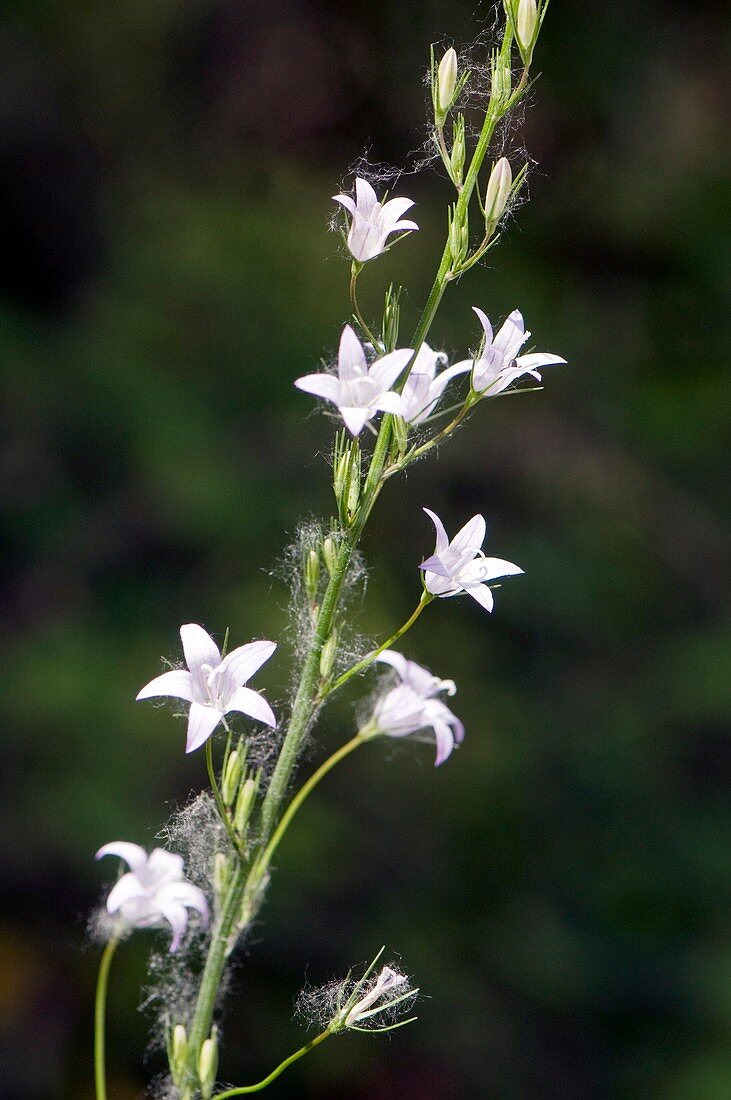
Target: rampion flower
[(460, 565), (213, 685), (359, 391), (424, 387), (499, 363), (373, 221), (153, 890), (411, 706)]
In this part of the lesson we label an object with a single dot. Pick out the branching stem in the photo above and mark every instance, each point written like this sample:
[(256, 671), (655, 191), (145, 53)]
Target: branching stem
[(244, 1089)]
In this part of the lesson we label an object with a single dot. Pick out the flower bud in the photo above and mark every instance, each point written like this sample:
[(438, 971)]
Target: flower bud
[(459, 240), (400, 434), (353, 496), (231, 776), (328, 654), (329, 554), (447, 79), (312, 573), (498, 192), (220, 873), (457, 157), (244, 804), (501, 84), (525, 26), (178, 1053), (208, 1064)]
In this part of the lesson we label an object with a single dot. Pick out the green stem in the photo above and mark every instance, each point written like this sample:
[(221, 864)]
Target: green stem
[(275, 1072), (100, 1010), (306, 789), (354, 273), (426, 599)]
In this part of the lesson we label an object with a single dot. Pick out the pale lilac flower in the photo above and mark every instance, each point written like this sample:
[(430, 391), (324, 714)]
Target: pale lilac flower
[(460, 565), (387, 981), (213, 685), (359, 391), (411, 706), (424, 387), (499, 363), (373, 221), (153, 890)]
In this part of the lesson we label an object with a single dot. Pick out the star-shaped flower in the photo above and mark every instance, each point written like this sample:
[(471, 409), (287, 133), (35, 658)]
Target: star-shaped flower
[(411, 706), (213, 685), (153, 890), (499, 363), (372, 221), (423, 388), (359, 391), (460, 565)]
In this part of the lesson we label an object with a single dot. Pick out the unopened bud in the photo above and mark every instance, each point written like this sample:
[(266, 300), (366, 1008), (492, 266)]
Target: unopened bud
[(329, 554), (244, 804), (457, 156), (525, 26), (231, 776), (178, 1053), (312, 573), (208, 1064), (458, 236), (400, 434), (447, 79), (220, 873), (353, 496), (498, 192), (327, 655), (502, 78)]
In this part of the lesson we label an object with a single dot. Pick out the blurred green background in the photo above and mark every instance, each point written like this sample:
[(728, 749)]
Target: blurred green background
[(558, 888)]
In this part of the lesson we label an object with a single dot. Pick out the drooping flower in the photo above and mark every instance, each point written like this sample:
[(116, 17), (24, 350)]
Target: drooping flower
[(499, 363), (423, 388), (359, 391), (412, 706), (213, 685), (153, 890), (460, 565), (373, 222)]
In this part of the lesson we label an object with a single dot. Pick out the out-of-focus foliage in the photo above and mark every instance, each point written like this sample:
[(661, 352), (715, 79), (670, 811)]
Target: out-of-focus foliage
[(557, 888)]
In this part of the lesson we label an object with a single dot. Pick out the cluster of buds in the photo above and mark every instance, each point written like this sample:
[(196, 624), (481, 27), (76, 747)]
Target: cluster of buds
[(347, 477), (239, 788)]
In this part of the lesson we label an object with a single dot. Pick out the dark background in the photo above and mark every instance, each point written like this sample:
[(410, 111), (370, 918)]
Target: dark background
[(558, 887)]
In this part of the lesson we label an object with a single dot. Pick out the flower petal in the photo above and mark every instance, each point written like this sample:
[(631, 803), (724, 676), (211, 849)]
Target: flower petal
[(366, 197), (326, 386), (511, 336), (470, 537), (485, 322), (346, 201), (178, 682), (128, 887), (388, 367), (164, 866), (199, 647), (132, 854), (355, 418), (483, 595), (395, 660), (445, 741), (391, 402), (488, 569), (351, 357), (177, 917), (255, 705), (442, 539), (534, 360), (392, 210), (243, 662), (187, 894), (202, 721)]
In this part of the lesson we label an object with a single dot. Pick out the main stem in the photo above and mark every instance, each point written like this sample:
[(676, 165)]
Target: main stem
[(307, 690), (100, 1011)]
